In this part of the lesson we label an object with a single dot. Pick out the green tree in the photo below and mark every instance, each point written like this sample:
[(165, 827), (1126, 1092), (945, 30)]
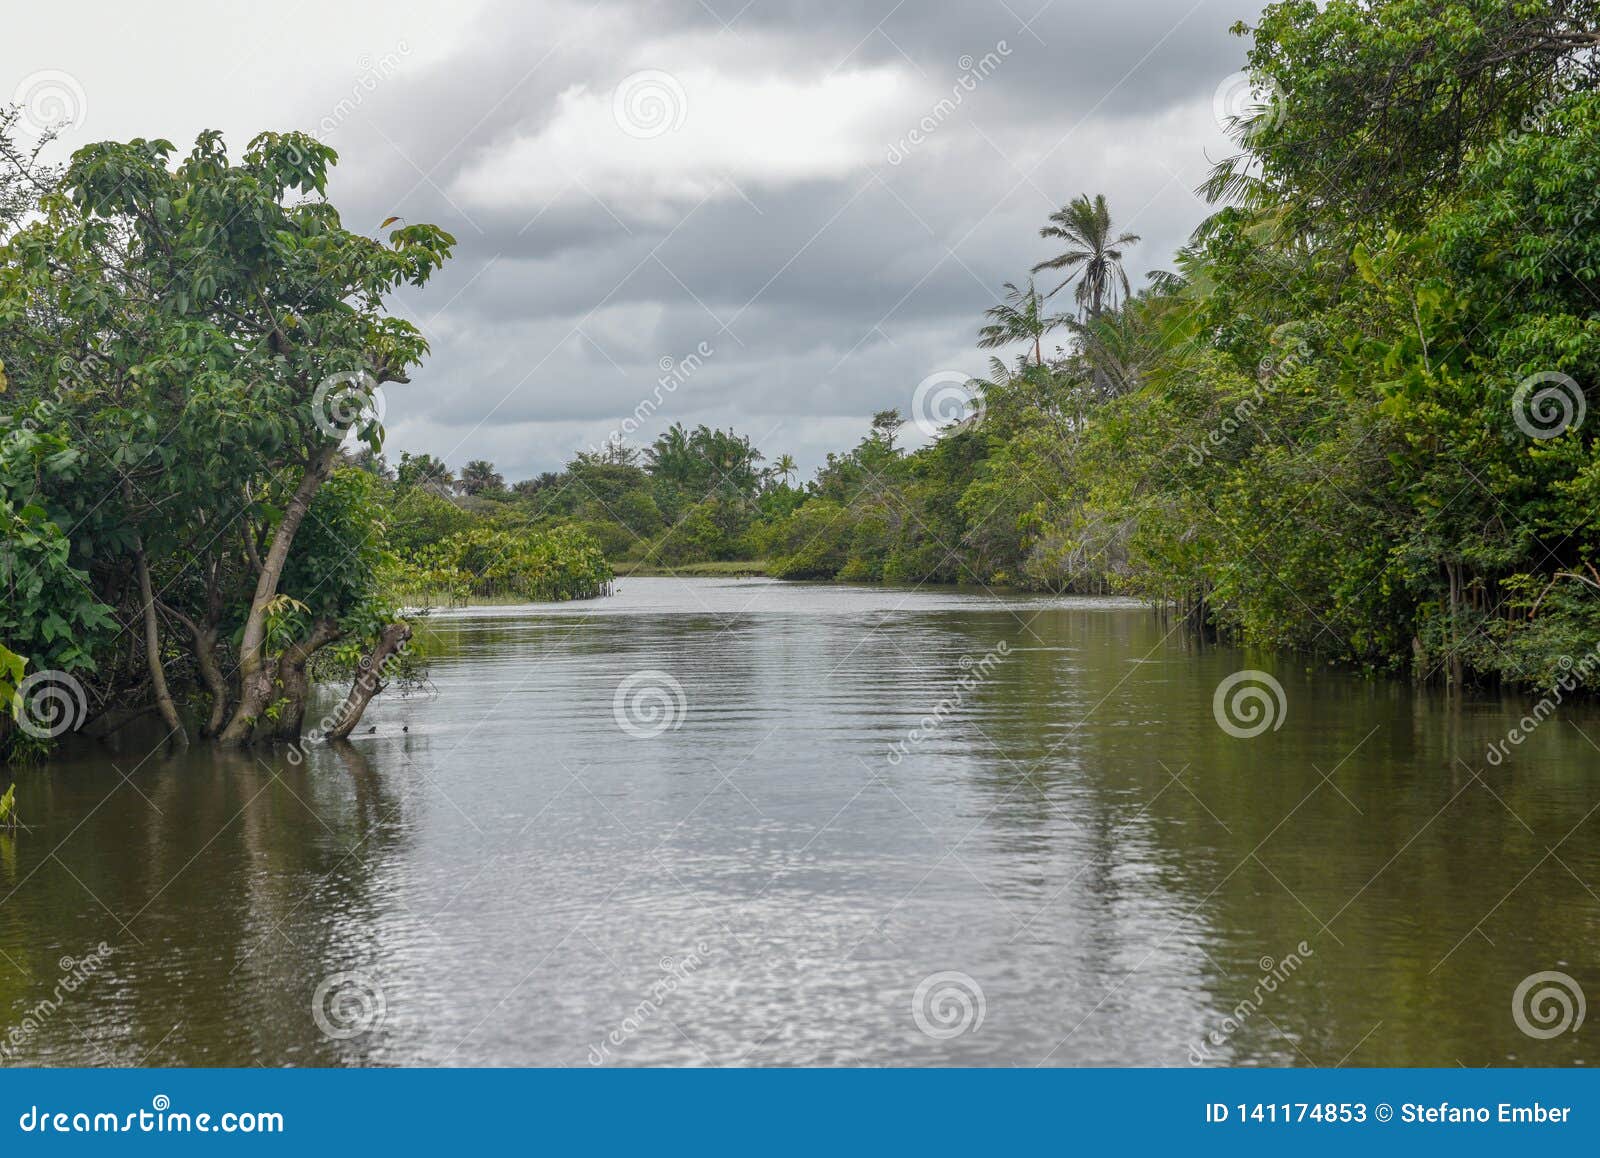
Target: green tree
[(1019, 318), (1093, 256)]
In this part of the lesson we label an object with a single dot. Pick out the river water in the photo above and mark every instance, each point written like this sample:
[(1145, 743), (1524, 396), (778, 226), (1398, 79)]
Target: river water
[(714, 822)]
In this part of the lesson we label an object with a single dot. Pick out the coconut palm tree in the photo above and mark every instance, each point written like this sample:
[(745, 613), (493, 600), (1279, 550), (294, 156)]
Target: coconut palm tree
[(1019, 318), (1093, 255), (785, 468), (479, 477)]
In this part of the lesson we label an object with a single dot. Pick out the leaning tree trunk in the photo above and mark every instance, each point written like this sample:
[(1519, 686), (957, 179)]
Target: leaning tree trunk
[(256, 676), (291, 686), (369, 681), (152, 647)]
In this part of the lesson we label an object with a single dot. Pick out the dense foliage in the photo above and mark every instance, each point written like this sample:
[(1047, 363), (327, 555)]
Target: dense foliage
[(186, 342), (1354, 418)]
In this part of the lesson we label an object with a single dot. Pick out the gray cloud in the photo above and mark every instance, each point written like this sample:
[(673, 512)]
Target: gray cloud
[(771, 224)]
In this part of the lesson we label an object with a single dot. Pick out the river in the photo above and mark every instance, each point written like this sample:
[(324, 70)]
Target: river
[(722, 822)]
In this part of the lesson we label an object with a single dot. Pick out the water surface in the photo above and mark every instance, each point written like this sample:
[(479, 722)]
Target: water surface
[(871, 813)]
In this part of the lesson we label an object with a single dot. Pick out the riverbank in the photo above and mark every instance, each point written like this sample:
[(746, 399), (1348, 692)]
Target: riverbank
[(727, 568)]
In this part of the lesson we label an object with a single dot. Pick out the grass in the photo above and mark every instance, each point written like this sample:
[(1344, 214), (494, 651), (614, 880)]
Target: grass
[(726, 568)]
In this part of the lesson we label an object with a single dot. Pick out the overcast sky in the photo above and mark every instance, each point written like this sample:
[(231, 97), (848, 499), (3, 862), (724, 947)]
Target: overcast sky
[(823, 194)]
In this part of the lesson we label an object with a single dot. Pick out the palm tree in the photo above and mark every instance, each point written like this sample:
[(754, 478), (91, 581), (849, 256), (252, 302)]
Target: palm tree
[(479, 477), (1093, 256), (785, 468), (1019, 318)]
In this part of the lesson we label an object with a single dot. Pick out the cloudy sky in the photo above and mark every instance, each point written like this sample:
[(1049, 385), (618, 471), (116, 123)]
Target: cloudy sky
[(821, 196)]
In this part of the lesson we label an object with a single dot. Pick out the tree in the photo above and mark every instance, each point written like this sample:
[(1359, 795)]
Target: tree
[(785, 468), (1378, 106), (425, 471), (1094, 256), (479, 477), (1019, 318), (206, 335)]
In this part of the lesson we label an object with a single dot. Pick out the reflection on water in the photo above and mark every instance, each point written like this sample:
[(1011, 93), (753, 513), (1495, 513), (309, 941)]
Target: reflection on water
[(818, 799)]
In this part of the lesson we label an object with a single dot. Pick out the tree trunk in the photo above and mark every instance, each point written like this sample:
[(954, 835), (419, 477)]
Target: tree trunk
[(255, 680), (205, 658), (291, 685), (152, 647), (369, 682)]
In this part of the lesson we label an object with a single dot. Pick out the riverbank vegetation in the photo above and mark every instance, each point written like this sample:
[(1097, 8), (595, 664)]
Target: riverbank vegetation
[(1352, 418), (186, 341)]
